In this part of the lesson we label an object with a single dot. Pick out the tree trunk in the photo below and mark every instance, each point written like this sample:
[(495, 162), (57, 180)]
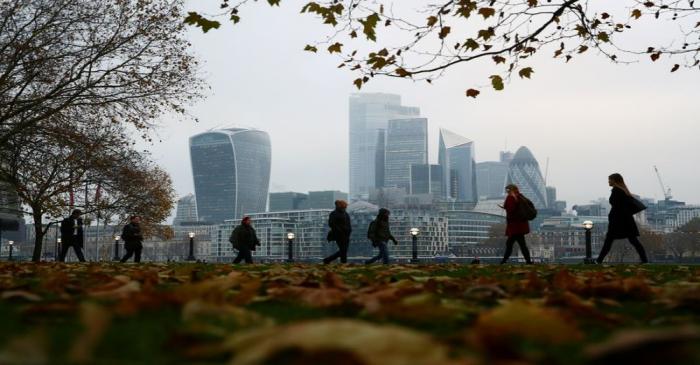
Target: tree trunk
[(38, 234)]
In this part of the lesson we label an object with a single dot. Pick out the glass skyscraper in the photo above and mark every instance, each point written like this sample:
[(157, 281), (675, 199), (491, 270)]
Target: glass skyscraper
[(524, 171), (406, 145), (456, 156), (186, 210), (369, 115), (231, 171)]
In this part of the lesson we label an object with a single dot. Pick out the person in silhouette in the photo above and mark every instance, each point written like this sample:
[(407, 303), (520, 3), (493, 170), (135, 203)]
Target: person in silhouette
[(133, 239), (244, 239), (621, 222), (340, 229), (72, 235), (380, 235), (517, 225)]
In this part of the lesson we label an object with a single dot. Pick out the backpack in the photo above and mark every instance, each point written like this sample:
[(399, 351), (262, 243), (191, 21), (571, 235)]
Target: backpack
[(526, 209), (371, 230)]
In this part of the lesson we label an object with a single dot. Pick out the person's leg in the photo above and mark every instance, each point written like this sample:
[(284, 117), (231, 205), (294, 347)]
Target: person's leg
[(640, 249), (248, 257), (607, 245), (344, 251), (523, 248), (137, 253), (332, 257), (64, 252), (375, 258), (79, 253), (127, 256), (509, 249), (239, 257), (384, 251)]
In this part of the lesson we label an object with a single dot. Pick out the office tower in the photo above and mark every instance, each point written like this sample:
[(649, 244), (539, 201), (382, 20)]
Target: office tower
[(186, 210), (551, 196), (456, 156), (491, 179), (323, 199), (280, 202), (524, 171), (231, 171), (427, 179), (369, 114), (406, 145)]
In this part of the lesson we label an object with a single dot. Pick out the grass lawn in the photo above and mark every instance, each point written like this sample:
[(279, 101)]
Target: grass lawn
[(311, 314)]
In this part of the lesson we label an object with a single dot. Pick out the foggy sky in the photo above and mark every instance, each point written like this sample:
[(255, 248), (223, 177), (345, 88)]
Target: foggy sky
[(589, 117)]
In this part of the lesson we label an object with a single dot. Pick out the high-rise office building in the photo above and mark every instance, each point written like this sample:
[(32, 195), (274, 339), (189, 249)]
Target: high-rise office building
[(491, 179), (406, 145), (427, 179), (456, 156), (186, 210), (524, 171), (323, 199), (369, 114), (231, 171), (280, 202)]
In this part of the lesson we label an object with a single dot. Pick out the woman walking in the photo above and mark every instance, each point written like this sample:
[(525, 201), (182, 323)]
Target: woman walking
[(380, 235), (621, 222), (516, 224)]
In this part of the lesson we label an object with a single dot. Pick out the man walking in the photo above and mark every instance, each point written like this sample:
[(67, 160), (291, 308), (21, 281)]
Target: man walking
[(72, 235), (131, 234), (339, 223), (244, 239)]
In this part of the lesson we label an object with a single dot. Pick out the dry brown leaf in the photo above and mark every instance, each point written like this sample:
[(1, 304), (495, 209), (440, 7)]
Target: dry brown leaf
[(20, 294), (95, 320), (347, 341)]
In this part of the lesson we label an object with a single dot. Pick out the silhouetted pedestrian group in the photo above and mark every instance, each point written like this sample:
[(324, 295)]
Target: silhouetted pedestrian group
[(519, 212)]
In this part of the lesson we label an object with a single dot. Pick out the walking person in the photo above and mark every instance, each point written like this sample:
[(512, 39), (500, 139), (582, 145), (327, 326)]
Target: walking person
[(380, 234), (72, 235), (133, 239), (517, 225), (244, 239), (621, 222), (341, 227)]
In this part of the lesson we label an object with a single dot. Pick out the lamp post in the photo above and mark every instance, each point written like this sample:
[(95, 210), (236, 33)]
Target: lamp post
[(191, 256), (588, 225), (11, 243), (290, 245), (414, 235), (116, 248), (59, 248)]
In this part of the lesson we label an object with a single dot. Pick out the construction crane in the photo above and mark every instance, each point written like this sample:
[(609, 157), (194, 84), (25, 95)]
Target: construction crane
[(667, 192)]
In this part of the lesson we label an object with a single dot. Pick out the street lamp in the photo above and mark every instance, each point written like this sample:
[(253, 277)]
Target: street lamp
[(414, 234), (116, 248), (11, 243), (191, 256), (290, 245), (59, 248), (588, 225)]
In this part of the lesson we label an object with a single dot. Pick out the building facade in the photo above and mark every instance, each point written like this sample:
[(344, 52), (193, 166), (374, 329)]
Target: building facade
[(369, 114), (467, 228), (186, 210), (231, 171), (524, 171), (287, 201), (406, 145), (491, 177), (323, 199), (456, 156), (427, 179)]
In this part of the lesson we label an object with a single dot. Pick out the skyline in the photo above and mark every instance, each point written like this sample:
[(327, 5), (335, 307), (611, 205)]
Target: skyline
[(574, 113)]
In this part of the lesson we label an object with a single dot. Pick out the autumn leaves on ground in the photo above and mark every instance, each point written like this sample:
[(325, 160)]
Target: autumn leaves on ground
[(307, 314)]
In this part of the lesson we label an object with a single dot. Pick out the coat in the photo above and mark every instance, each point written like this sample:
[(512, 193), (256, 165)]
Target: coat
[(72, 232), (515, 223), (244, 237), (381, 232), (339, 223), (621, 222), (131, 234)]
